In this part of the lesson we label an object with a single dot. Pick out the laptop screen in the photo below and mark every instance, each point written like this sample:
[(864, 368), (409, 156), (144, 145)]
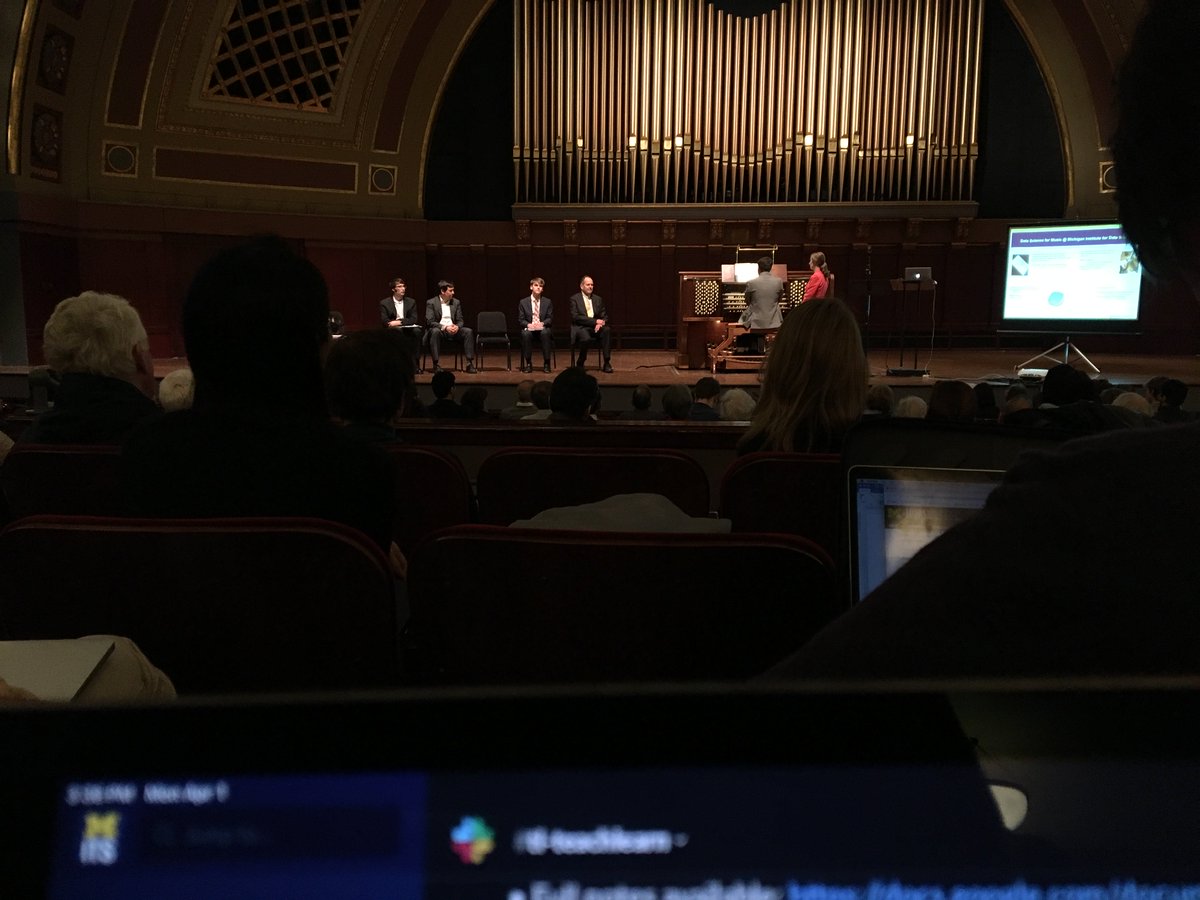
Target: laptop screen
[(688, 794), (897, 510)]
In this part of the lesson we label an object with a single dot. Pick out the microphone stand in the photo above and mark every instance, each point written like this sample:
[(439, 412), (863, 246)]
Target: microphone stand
[(867, 323)]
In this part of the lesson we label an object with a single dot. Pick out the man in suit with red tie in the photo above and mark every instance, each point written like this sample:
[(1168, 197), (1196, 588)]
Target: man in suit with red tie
[(589, 323), (535, 313)]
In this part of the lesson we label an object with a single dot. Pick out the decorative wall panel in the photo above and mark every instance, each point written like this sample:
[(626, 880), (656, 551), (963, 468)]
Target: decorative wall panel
[(282, 53)]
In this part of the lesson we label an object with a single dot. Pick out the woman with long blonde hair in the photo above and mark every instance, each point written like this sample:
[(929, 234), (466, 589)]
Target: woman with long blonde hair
[(814, 382)]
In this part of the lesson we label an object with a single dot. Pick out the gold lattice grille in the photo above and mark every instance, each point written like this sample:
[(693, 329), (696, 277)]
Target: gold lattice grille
[(282, 53), (706, 297), (795, 293)]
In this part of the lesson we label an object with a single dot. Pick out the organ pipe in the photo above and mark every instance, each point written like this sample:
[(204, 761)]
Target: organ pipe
[(630, 101)]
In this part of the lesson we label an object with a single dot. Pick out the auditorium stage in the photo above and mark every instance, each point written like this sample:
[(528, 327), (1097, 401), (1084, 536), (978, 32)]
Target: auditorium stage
[(657, 369)]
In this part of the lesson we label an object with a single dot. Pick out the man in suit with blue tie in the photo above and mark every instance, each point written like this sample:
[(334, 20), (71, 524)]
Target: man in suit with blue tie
[(444, 320), (534, 313)]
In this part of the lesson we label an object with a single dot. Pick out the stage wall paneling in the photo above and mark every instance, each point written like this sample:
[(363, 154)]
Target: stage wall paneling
[(638, 280), (49, 273)]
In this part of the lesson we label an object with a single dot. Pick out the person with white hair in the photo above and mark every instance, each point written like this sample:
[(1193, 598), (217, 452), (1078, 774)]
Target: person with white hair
[(97, 346), (736, 405), (1134, 402), (910, 406), (176, 390)]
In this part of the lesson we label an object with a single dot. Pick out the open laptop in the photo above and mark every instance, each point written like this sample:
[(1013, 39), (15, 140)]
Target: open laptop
[(636, 793), (894, 511), (918, 273)]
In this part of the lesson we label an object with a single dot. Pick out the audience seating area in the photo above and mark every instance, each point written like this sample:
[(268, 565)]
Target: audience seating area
[(432, 492), (61, 478), (788, 493), (220, 605), (536, 606), (520, 482), (225, 605)]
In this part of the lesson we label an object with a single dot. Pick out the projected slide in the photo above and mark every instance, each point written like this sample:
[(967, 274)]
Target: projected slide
[(1071, 273)]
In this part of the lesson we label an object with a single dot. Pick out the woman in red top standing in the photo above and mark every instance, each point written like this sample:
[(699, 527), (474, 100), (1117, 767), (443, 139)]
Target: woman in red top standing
[(818, 281)]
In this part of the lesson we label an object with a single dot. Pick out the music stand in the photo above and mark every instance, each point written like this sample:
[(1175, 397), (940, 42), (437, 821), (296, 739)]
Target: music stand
[(916, 280)]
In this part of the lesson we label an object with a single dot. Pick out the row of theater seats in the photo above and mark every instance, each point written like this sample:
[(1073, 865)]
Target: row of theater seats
[(251, 605), (232, 605), (789, 493)]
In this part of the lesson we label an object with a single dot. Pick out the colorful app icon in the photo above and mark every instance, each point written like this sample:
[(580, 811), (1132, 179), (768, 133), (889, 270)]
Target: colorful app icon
[(472, 840)]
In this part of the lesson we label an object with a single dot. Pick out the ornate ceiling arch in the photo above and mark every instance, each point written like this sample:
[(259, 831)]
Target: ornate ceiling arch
[(318, 106)]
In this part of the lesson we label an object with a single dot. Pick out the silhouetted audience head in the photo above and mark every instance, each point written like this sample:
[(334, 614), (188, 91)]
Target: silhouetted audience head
[(99, 334), (985, 402), (1016, 389), (1158, 94), (474, 401), (814, 381), (540, 394), (369, 376), (881, 399), (176, 390), (575, 394), (525, 391), (706, 389), (736, 405), (1015, 403), (1133, 402), (442, 384), (1174, 392), (255, 325), (677, 401), (1065, 384), (642, 397), (910, 406), (1170, 409), (1154, 388), (951, 401)]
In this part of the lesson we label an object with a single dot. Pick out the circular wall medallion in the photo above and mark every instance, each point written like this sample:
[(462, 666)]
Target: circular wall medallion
[(383, 180), (120, 159)]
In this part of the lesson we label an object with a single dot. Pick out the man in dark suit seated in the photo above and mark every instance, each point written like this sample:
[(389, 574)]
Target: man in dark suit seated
[(444, 321), (589, 323), (535, 313), (400, 311)]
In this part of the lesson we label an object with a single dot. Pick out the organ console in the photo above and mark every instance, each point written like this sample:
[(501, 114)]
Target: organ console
[(708, 329)]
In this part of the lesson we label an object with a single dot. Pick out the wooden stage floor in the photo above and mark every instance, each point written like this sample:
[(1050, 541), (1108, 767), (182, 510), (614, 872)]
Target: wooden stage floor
[(657, 368)]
